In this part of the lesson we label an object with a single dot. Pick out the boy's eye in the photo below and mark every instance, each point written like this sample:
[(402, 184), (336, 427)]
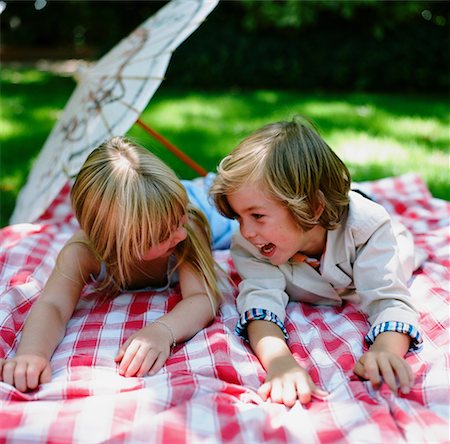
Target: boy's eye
[(257, 216)]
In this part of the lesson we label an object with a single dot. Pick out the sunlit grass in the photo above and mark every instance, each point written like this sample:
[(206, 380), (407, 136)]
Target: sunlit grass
[(376, 135)]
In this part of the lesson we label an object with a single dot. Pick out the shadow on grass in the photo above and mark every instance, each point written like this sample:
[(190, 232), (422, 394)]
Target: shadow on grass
[(207, 125)]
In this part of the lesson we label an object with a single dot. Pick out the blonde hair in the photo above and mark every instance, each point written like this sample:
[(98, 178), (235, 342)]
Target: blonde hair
[(127, 200), (295, 166)]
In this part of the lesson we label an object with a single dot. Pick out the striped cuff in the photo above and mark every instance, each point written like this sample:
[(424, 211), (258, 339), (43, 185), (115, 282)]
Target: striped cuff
[(258, 314), (399, 327)]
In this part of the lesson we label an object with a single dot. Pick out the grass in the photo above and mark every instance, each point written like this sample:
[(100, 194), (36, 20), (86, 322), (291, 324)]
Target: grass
[(377, 135)]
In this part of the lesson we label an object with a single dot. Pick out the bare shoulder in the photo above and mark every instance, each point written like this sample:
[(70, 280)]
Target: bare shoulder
[(190, 280), (78, 254)]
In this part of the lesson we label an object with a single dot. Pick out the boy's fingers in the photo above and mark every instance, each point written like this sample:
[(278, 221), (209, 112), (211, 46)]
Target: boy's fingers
[(371, 371), (320, 393), (386, 370), (276, 392), (289, 394), (410, 374), (264, 390), (304, 394), (359, 369), (404, 376)]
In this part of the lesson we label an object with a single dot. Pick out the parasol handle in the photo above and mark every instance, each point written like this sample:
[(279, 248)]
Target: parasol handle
[(173, 149)]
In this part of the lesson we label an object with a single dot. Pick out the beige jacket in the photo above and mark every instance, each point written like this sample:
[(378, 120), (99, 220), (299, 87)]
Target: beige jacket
[(367, 260)]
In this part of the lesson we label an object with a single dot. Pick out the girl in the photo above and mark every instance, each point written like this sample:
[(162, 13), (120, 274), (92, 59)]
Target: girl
[(138, 232), (304, 236)]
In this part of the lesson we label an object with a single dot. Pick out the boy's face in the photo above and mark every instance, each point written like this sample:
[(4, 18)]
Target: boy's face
[(270, 226)]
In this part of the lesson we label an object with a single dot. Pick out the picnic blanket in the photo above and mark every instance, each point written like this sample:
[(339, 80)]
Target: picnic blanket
[(206, 392)]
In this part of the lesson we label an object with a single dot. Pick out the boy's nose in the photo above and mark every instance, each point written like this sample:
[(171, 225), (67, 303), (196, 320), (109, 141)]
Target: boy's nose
[(246, 231)]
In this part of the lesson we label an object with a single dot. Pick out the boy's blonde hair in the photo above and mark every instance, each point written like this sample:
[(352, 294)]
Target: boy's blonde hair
[(127, 200), (295, 166)]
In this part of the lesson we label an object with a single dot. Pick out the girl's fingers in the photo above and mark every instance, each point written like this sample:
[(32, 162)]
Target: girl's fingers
[(32, 376), (25, 375), (46, 375), (119, 355), (136, 363), (20, 376), (122, 349), (127, 357), (8, 372), (157, 365), (148, 362)]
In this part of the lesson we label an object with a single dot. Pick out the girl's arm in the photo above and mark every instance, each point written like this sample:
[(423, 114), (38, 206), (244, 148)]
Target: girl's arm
[(46, 322), (148, 349), (286, 380)]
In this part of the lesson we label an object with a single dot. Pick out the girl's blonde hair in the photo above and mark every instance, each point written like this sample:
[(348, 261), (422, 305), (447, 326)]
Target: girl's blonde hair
[(127, 200), (295, 166)]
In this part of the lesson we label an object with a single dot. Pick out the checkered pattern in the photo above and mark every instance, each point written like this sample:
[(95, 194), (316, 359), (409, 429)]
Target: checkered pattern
[(206, 393)]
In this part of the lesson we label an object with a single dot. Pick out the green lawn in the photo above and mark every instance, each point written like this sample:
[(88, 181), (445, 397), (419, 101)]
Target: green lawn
[(377, 135)]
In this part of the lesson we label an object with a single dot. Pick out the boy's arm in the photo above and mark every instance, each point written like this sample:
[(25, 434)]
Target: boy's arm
[(385, 360), (286, 380), (381, 281)]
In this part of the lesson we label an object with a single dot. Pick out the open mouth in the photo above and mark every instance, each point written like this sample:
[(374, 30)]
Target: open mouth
[(266, 249)]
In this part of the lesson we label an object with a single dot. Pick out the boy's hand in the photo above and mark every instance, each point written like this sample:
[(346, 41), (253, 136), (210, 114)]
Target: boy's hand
[(376, 364), (25, 372), (286, 382), (144, 352)]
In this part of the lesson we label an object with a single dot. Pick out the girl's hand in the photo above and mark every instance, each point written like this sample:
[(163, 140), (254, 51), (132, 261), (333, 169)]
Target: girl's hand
[(286, 382), (25, 372), (377, 364), (144, 352)]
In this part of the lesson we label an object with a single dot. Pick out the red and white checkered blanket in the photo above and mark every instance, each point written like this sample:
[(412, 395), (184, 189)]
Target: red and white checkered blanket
[(206, 393)]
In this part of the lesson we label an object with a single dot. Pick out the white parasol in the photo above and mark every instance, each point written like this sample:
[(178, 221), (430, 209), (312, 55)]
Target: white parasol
[(108, 100)]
